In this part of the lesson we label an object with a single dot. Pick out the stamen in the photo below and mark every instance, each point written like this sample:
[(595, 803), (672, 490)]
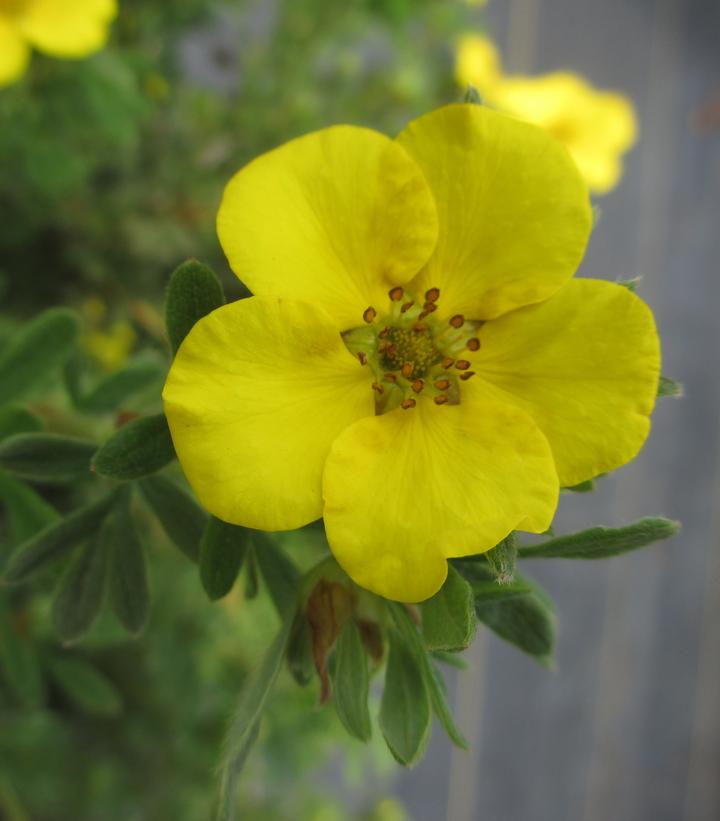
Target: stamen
[(448, 362), (457, 321), (419, 327), (369, 315), (406, 404), (382, 334), (467, 375), (440, 399), (406, 306), (462, 364), (362, 357), (432, 294), (418, 385), (473, 344), (407, 370), (396, 293), (430, 307), (442, 384), (390, 377), (377, 387)]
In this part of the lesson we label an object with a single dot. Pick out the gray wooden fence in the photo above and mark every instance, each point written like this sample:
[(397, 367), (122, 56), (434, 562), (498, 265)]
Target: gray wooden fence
[(628, 728)]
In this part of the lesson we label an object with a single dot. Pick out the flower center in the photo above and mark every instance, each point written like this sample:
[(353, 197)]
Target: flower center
[(411, 353)]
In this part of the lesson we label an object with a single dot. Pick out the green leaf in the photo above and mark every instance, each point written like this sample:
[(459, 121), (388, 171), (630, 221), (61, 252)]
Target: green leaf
[(252, 582), (484, 583), (472, 95), (127, 571), (405, 718), (279, 573), (602, 542), (246, 722), (36, 351), (527, 621), (299, 653), (15, 419), (451, 659), (630, 284), (109, 395), (502, 559), (584, 487), (409, 634), (19, 662), (194, 291), (86, 686), (26, 510), (669, 387), (55, 540), (448, 618), (81, 590), (138, 449), (351, 682), (222, 550), (46, 456), (181, 517)]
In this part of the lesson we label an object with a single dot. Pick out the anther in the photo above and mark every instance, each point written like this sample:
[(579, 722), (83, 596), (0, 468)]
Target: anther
[(369, 314), (442, 384), (407, 370), (448, 362), (432, 294), (457, 321), (423, 314), (430, 307), (419, 327), (406, 306), (473, 344), (462, 364), (362, 357), (377, 387), (418, 385), (390, 377), (440, 399), (396, 293), (406, 404), (382, 334), (467, 375)]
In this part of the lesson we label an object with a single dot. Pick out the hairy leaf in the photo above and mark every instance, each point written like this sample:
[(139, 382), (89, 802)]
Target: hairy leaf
[(194, 291), (602, 542), (139, 448)]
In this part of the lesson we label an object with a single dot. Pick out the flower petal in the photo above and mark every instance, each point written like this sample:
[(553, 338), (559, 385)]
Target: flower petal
[(585, 365), (514, 212), (14, 53), (257, 393), (337, 216), (68, 28), (408, 489)]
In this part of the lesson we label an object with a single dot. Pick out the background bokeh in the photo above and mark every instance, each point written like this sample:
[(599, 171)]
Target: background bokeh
[(111, 170)]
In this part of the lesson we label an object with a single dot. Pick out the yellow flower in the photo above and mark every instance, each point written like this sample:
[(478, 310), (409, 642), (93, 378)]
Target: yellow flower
[(597, 127), (417, 365), (61, 28)]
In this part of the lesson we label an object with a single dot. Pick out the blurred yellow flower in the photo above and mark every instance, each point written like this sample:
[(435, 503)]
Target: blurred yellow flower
[(62, 28), (111, 346), (417, 365), (597, 127)]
